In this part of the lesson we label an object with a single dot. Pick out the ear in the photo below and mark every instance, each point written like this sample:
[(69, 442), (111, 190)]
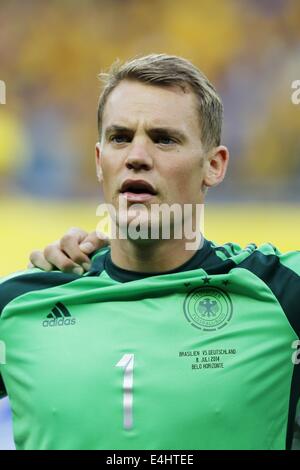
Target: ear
[(216, 166), (98, 162)]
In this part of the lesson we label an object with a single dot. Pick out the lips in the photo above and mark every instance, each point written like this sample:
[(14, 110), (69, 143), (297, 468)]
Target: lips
[(137, 187), (137, 190)]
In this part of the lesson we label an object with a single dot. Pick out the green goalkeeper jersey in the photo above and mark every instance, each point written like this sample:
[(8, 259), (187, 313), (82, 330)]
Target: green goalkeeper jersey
[(201, 357)]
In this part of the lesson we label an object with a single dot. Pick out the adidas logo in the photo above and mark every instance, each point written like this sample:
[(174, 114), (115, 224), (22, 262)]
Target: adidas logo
[(59, 316)]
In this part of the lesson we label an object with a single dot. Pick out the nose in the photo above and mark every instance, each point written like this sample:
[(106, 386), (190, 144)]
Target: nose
[(138, 157)]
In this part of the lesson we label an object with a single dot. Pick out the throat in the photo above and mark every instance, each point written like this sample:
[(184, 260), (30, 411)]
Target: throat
[(154, 257)]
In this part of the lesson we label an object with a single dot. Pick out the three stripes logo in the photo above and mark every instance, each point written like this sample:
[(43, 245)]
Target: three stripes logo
[(59, 316)]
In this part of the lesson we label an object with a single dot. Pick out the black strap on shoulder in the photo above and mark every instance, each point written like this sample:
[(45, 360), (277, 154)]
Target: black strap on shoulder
[(282, 281), (20, 285)]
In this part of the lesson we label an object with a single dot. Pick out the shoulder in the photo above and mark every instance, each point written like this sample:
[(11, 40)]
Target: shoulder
[(252, 255), (280, 272), (265, 261), (267, 257), (23, 282)]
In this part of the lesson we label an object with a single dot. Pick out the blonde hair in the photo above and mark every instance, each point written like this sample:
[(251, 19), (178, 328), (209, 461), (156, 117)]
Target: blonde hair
[(167, 70)]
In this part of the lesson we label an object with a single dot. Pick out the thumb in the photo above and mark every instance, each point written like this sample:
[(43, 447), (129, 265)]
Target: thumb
[(93, 241)]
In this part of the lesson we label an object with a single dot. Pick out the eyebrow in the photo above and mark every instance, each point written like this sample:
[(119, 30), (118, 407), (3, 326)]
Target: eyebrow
[(116, 128), (152, 131)]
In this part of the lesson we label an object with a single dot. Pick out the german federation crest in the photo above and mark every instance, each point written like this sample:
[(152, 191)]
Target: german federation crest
[(208, 308)]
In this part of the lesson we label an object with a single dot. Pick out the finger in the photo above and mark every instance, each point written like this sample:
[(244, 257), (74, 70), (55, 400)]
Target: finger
[(38, 260), (60, 260), (69, 244), (94, 241)]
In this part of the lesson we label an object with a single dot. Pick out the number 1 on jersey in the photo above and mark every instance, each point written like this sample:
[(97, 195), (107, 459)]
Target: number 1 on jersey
[(127, 362)]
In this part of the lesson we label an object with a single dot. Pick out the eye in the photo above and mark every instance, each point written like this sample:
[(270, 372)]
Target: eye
[(119, 138), (165, 140)]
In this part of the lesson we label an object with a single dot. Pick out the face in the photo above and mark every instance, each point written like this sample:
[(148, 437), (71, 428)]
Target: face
[(151, 150)]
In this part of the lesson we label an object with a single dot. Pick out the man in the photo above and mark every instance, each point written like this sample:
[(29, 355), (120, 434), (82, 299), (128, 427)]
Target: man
[(157, 346)]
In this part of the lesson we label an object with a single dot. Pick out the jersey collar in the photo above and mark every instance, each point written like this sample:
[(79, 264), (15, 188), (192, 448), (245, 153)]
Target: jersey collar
[(124, 275)]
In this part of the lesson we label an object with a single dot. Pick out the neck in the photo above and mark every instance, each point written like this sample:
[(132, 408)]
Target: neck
[(153, 255)]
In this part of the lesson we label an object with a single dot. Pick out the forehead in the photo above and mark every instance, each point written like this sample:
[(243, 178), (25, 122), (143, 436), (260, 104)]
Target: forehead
[(132, 102)]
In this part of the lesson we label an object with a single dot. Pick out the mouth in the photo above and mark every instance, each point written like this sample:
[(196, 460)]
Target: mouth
[(137, 190)]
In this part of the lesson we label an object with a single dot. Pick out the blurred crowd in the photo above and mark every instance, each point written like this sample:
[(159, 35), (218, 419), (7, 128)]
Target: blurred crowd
[(52, 52)]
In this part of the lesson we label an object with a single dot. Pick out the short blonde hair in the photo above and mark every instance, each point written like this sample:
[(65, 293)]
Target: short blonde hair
[(166, 70)]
